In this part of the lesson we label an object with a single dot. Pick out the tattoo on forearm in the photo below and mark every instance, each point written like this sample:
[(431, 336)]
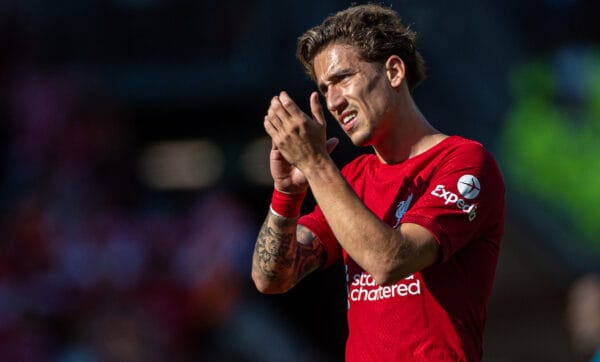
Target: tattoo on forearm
[(278, 254), (311, 251), (272, 252), (312, 256)]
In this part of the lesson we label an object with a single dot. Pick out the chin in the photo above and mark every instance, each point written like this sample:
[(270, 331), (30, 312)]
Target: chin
[(359, 144), (359, 141)]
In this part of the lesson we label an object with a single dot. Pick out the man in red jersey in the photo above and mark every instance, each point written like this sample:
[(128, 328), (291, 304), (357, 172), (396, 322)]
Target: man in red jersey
[(418, 223)]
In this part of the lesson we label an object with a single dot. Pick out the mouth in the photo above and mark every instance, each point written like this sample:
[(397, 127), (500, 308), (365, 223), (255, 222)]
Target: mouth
[(347, 119)]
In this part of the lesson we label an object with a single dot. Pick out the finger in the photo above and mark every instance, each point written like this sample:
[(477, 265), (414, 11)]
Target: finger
[(316, 108), (269, 127), (331, 144), (276, 113), (278, 107), (289, 105)]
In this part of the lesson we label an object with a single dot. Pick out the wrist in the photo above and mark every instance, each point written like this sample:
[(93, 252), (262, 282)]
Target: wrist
[(285, 204), (320, 166)]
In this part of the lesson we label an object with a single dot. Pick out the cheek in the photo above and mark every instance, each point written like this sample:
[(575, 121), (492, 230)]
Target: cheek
[(376, 95), (375, 106)]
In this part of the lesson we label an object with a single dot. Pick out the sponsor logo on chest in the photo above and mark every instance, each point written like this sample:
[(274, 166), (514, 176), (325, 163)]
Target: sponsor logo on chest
[(362, 287)]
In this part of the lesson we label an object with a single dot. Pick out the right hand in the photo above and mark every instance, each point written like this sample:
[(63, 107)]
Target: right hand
[(287, 178)]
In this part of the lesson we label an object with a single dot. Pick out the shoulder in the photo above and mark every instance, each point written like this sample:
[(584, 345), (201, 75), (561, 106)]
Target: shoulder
[(461, 143), (461, 159), (463, 150), (469, 160)]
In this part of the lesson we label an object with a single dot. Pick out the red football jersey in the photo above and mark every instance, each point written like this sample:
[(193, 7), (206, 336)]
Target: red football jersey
[(455, 190)]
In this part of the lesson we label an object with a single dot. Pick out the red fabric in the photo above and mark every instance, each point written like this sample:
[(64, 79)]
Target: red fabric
[(437, 314), (287, 205)]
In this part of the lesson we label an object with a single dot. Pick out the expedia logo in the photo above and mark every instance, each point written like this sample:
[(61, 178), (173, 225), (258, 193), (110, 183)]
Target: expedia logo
[(469, 189)]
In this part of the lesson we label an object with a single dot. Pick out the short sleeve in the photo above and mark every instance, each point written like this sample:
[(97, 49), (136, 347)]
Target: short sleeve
[(464, 200)]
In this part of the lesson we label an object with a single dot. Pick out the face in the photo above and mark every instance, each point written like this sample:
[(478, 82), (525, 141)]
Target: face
[(358, 93)]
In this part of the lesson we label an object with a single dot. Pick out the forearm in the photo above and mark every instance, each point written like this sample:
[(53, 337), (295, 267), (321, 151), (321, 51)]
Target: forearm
[(285, 252), (273, 258), (375, 246)]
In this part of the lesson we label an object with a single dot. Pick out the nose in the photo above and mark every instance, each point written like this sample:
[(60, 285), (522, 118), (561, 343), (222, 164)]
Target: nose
[(335, 99)]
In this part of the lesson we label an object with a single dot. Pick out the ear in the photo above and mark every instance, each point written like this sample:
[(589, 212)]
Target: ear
[(396, 70)]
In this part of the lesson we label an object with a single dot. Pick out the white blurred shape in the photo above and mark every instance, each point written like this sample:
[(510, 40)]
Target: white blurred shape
[(181, 165), (255, 161)]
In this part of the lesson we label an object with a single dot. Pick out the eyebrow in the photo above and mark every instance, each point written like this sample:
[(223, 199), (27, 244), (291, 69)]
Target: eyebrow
[(335, 76)]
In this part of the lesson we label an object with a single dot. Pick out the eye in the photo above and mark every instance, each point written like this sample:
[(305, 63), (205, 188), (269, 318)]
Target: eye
[(343, 78), (323, 90), (340, 78)]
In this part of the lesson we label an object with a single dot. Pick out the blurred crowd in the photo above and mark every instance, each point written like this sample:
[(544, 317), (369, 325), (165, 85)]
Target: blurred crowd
[(94, 266), (86, 274)]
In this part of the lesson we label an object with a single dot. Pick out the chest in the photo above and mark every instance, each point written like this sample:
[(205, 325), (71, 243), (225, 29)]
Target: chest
[(391, 192)]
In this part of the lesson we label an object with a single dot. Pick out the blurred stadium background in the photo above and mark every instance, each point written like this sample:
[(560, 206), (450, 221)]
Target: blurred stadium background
[(134, 174)]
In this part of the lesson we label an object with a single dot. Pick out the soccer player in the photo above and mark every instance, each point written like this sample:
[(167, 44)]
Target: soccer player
[(418, 223)]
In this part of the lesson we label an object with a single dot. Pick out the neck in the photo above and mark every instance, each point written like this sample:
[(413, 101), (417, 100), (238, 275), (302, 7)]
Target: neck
[(410, 136)]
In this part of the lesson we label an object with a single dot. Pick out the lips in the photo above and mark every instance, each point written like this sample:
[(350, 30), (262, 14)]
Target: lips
[(347, 119)]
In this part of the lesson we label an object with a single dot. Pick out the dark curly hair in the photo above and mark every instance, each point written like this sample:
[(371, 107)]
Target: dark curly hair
[(375, 31)]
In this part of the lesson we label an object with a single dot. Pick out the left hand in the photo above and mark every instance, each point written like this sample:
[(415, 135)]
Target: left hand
[(300, 138)]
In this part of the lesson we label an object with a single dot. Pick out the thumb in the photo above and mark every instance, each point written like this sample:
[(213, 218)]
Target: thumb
[(331, 144), (316, 108)]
